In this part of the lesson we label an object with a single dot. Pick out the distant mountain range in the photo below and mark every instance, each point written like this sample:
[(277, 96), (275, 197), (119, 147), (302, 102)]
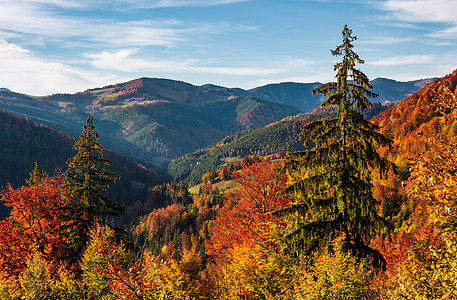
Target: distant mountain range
[(152, 121), (300, 96)]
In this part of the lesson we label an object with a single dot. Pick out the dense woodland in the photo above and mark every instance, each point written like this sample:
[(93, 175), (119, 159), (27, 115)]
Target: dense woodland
[(24, 143), (366, 210), (281, 136)]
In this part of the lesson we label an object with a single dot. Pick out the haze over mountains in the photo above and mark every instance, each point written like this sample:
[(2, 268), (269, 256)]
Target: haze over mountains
[(153, 120)]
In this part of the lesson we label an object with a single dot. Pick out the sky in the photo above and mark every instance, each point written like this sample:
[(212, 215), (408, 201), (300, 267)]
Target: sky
[(68, 46)]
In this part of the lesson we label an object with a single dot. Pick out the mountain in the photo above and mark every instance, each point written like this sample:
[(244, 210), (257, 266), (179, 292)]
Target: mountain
[(277, 137), (300, 96), (291, 93), (393, 91), (151, 120), (24, 143), (4, 89), (405, 121)]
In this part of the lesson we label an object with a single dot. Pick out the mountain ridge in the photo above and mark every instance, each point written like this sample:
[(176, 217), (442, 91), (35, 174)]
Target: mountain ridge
[(150, 120), (153, 120)]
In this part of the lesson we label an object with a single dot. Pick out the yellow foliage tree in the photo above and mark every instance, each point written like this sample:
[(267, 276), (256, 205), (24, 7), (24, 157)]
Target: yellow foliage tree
[(423, 263)]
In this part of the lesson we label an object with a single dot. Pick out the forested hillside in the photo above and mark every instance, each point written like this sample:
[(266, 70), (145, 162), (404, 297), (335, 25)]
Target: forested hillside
[(24, 143), (151, 120), (282, 136), (407, 116)]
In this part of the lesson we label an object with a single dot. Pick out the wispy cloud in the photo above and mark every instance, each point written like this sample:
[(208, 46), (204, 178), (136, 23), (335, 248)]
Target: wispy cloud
[(41, 24), (176, 3), (386, 40), (402, 60), (23, 71), (423, 10), (437, 11), (448, 33), (125, 60), (32, 20)]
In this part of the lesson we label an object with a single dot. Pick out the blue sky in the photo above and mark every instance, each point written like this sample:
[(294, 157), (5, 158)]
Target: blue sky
[(50, 46)]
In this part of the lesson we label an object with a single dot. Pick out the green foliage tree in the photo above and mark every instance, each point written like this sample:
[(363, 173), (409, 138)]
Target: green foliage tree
[(88, 184), (332, 181)]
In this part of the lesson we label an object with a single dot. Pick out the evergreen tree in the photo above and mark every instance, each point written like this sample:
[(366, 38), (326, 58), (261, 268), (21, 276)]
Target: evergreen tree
[(88, 184), (36, 175), (332, 181)]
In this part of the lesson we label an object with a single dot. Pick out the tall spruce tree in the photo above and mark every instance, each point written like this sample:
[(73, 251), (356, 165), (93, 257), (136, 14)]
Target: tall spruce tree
[(333, 180), (88, 183)]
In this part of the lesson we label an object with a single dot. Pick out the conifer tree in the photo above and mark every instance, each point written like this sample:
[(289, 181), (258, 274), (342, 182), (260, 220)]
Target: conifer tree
[(332, 181), (36, 175), (88, 183)]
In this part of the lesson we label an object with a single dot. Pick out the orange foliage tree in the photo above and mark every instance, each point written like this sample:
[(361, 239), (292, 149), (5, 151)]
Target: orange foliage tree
[(245, 217), (35, 223), (423, 262)]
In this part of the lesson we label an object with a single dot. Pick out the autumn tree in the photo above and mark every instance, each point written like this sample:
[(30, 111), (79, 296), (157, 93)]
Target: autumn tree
[(332, 181), (88, 183), (242, 243), (428, 264), (36, 224), (246, 215)]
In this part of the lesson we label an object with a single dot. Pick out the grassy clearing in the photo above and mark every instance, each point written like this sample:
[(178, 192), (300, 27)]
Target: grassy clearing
[(223, 186)]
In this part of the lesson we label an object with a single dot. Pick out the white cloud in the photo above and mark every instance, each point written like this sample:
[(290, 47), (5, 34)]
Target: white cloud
[(436, 11), (402, 60), (386, 40), (176, 3), (449, 33), (41, 24), (125, 60), (24, 72), (33, 21), (423, 10)]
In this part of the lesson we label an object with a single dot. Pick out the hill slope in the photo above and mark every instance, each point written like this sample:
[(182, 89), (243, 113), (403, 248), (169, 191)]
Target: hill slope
[(151, 120), (24, 143), (277, 137), (417, 117), (416, 109)]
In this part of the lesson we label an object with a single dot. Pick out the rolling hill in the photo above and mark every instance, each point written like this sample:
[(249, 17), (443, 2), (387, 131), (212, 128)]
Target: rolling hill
[(153, 121), (150, 120), (277, 137)]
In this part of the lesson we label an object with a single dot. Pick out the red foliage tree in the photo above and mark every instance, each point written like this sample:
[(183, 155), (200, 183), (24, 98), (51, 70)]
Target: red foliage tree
[(245, 217), (36, 223)]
